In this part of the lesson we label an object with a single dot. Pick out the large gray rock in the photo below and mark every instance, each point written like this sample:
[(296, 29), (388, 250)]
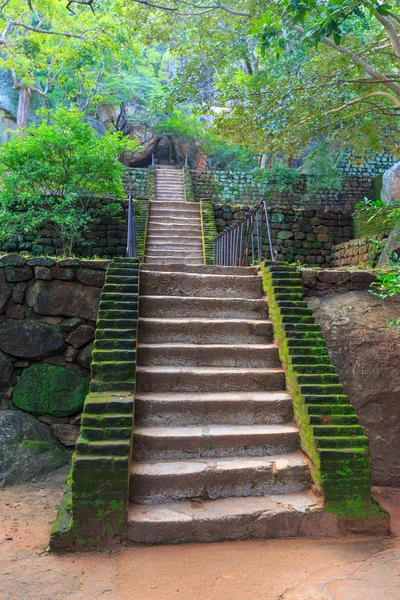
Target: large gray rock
[(30, 339), (5, 295), (6, 372), (28, 449), (391, 185), (367, 358), (392, 246), (64, 299)]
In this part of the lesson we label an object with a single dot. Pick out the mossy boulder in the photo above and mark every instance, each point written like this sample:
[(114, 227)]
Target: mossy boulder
[(49, 390)]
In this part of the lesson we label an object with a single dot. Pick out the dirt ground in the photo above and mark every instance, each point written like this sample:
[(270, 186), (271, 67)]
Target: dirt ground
[(295, 569)]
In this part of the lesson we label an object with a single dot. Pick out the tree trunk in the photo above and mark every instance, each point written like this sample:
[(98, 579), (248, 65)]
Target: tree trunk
[(265, 161), (24, 101)]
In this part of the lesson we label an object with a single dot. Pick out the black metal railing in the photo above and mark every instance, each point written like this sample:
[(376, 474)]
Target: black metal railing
[(243, 242), (132, 233)]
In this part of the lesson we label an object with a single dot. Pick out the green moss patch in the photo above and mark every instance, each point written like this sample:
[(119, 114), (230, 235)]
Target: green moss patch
[(49, 390)]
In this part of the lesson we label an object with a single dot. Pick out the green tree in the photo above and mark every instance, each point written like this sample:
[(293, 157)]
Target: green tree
[(60, 176)]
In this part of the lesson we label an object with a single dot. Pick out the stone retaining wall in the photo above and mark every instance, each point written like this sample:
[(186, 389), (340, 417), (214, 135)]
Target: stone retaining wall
[(362, 252), (241, 187), (323, 282), (305, 236), (48, 311)]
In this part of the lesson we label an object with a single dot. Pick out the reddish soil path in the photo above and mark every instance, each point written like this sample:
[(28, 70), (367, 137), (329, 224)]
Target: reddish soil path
[(297, 569)]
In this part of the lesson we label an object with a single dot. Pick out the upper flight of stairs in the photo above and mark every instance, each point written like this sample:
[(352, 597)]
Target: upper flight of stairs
[(174, 226), (216, 453)]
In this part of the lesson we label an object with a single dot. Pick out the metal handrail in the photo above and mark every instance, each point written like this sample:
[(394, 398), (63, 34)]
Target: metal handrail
[(132, 234), (241, 243)]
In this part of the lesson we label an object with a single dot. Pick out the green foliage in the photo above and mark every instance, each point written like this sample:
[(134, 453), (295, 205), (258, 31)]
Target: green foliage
[(60, 176), (322, 170), (197, 137), (282, 177)]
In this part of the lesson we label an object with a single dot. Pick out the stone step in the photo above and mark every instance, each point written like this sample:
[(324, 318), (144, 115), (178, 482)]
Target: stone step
[(208, 379), (212, 478), (119, 343), (228, 408), (205, 331), (205, 269), (193, 251), (169, 259), (187, 307), (280, 516), (174, 243), (178, 206), (255, 356), (210, 441), (170, 227), (200, 284), (174, 217)]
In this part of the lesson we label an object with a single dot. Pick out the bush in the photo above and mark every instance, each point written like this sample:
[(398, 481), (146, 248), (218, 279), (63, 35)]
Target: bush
[(61, 176)]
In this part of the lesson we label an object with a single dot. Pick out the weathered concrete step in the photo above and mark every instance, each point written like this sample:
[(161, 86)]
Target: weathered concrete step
[(186, 210), (208, 379), (254, 356), (205, 269), (228, 408), (184, 306), (169, 259), (171, 206), (264, 517), (174, 217), (212, 478), (171, 443), (177, 226), (205, 331), (113, 334), (178, 238), (200, 284), (192, 250), (174, 243)]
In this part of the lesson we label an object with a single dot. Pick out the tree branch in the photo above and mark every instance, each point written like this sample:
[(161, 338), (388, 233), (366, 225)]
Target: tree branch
[(12, 24), (356, 101), (356, 60), (391, 31), (197, 7)]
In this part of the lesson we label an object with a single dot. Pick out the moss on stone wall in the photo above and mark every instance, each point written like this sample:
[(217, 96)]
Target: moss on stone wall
[(49, 390)]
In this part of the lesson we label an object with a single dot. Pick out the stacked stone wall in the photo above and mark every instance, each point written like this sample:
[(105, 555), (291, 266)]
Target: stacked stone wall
[(243, 188), (48, 312), (359, 252), (306, 236)]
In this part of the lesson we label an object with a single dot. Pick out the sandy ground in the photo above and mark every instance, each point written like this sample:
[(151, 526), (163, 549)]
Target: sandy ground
[(296, 569)]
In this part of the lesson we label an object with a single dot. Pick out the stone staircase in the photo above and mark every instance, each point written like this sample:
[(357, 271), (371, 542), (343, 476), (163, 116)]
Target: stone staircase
[(216, 454), (174, 226)]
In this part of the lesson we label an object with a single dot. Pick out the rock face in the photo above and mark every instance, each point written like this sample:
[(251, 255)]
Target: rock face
[(50, 390), (30, 339), (6, 372), (391, 185), (367, 359), (27, 448), (392, 246), (64, 298)]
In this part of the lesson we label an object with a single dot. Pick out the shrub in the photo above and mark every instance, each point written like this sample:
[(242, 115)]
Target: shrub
[(61, 176)]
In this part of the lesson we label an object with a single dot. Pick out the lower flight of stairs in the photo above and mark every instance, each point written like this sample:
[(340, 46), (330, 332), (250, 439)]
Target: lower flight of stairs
[(216, 453)]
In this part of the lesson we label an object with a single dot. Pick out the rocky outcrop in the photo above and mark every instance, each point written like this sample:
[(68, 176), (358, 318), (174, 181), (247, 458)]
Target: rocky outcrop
[(51, 390), (391, 185), (367, 358), (392, 246), (28, 448)]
